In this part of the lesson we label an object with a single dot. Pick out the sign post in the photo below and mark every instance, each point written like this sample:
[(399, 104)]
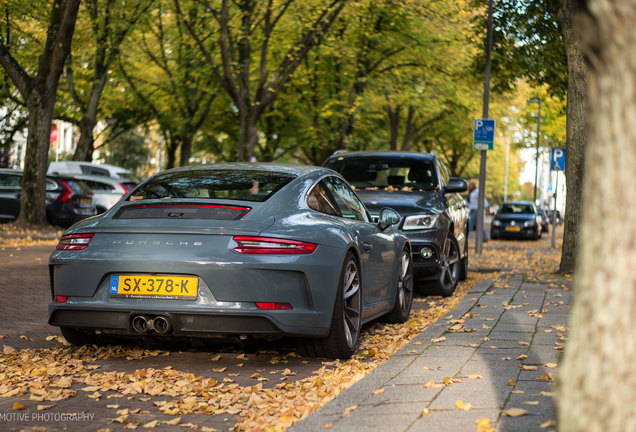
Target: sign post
[(557, 163)]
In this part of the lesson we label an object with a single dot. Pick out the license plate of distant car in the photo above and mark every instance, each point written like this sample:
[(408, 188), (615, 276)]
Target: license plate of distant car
[(85, 201), (154, 286), (513, 228)]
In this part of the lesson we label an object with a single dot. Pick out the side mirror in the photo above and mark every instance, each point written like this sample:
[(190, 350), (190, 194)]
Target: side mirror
[(456, 185), (388, 217)]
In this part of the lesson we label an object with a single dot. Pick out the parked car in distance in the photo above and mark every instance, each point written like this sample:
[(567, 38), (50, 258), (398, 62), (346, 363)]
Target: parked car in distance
[(93, 169), (518, 219), (238, 249), (434, 216), (545, 223), (68, 200), (106, 190)]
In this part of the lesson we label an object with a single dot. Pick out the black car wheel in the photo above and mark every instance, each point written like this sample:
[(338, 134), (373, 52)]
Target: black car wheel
[(347, 317), (463, 267), (447, 282), (404, 295)]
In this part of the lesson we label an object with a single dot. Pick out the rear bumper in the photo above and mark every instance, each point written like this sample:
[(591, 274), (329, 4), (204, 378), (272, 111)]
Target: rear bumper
[(525, 233), (189, 323)]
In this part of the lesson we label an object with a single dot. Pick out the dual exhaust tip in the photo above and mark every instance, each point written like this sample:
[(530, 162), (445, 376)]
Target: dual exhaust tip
[(144, 324)]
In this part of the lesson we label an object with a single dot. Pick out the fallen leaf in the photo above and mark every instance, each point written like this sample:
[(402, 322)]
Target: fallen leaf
[(517, 392), (175, 421), (425, 411), (548, 424), (45, 407), (439, 339), (474, 376), (512, 383), (514, 412), (17, 406), (546, 377), (151, 424), (483, 425), (328, 425), (528, 368), (531, 402), (378, 391), (463, 406), (551, 365)]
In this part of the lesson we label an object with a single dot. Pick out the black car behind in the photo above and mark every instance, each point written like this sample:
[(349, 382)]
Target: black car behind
[(517, 219), (434, 215), (68, 200)]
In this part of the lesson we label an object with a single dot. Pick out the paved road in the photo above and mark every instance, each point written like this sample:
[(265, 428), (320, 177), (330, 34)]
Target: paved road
[(23, 323)]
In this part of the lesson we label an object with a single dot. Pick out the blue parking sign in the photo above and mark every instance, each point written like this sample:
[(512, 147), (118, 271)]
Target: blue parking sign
[(484, 134), (557, 159)]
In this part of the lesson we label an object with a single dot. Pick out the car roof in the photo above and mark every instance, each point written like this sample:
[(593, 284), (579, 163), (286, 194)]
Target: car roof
[(10, 171), (259, 166), (95, 178), (383, 153), (520, 202)]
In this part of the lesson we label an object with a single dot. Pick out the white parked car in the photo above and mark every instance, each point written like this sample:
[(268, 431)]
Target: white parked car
[(107, 191), (89, 168)]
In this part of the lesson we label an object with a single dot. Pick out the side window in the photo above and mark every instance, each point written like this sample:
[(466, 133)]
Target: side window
[(350, 206), (321, 200), (10, 181)]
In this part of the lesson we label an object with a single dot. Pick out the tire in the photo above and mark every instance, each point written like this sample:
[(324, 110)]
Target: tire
[(346, 321), (77, 337), (404, 291), (463, 267), (449, 275)]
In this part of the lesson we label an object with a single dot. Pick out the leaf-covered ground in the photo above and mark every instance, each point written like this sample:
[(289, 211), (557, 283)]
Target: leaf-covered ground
[(142, 387)]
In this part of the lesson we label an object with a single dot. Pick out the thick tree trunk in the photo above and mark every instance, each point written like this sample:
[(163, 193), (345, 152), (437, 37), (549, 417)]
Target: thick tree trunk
[(597, 391), (33, 209), (576, 139)]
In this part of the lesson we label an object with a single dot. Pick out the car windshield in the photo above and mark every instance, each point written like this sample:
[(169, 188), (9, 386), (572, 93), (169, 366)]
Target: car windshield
[(516, 209), (386, 172), (247, 185)]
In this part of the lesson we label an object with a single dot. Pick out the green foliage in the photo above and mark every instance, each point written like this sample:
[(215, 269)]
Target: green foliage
[(527, 43), (128, 150)]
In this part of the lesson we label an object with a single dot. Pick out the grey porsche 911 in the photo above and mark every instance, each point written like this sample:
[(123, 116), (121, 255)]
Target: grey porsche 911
[(234, 249)]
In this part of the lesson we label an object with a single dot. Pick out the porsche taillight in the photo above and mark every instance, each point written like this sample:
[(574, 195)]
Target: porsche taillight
[(74, 242), (269, 245)]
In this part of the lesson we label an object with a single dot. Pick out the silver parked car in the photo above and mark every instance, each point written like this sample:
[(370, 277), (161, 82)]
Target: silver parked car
[(106, 190), (234, 249)]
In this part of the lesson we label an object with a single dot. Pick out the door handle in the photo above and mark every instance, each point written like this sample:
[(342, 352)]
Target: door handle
[(367, 247)]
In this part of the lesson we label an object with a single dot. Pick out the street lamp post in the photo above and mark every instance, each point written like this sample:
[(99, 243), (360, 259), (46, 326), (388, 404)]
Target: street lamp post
[(536, 169)]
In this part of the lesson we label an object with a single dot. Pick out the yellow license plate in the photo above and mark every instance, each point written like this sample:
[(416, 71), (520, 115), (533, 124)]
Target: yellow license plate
[(513, 228), (85, 201), (154, 286)]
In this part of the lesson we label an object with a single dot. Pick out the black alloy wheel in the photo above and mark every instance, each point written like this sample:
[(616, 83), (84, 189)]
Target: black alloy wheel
[(404, 293), (449, 273), (346, 322)]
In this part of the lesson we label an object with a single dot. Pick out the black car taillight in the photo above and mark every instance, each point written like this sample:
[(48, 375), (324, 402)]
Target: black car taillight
[(74, 242), (67, 193), (125, 188)]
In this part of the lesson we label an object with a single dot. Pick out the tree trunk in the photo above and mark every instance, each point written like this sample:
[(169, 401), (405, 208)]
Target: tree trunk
[(86, 143), (394, 125), (575, 146), (33, 208), (597, 391)]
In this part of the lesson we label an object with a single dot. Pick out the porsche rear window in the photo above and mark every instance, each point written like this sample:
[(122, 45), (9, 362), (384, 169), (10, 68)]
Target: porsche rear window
[(244, 185)]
